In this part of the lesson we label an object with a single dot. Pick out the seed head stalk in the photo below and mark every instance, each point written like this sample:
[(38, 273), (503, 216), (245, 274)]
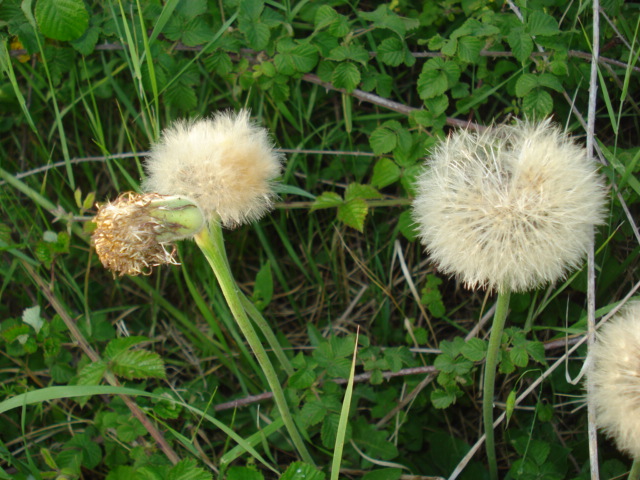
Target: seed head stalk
[(495, 340), (211, 242)]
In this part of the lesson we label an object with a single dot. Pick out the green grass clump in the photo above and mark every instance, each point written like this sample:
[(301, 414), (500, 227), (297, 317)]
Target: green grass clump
[(152, 377)]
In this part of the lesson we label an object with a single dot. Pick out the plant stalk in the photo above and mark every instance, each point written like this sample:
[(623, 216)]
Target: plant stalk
[(634, 473), (211, 243), (488, 390)]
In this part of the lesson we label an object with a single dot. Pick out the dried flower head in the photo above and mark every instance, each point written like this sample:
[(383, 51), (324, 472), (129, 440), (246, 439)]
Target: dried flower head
[(510, 208), (615, 378), (134, 232), (226, 164)]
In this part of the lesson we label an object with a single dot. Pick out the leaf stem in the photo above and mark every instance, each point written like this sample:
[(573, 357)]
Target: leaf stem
[(495, 340), (211, 243)]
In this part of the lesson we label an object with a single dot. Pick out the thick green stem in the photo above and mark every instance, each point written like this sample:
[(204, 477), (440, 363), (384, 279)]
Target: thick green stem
[(488, 390), (634, 474), (211, 243)]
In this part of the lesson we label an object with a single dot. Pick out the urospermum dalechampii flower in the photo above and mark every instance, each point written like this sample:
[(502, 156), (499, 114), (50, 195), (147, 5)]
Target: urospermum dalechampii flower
[(226, 164), (510, 208), (135, 232), (614, 375)]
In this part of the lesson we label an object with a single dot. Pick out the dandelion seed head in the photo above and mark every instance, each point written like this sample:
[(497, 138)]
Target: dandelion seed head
[(126, 236), (614, 376), (510, 208), (225, 163)]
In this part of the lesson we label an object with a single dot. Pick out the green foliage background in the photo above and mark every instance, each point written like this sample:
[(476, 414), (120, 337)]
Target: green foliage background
[(356, 93)]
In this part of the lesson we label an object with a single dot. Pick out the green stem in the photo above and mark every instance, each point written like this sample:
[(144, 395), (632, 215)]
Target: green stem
[(211, 243), (634, 474), (264, 327), (488, 390)]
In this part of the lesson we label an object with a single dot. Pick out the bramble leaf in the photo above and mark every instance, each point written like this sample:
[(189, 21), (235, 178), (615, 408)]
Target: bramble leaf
[(62, 20)]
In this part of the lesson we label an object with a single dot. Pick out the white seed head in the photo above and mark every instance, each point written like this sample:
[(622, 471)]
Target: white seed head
[(226, 164), (614, 375), (510, 208)]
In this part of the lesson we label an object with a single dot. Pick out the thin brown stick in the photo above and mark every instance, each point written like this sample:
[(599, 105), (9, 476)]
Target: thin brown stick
[(81, 341)]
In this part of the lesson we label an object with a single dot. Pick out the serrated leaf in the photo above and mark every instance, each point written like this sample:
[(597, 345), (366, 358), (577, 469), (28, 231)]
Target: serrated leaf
[(304, 57), (325, 16), (358, 190), (92, 373), (385, 172), (329, 430), (474, 349), (346, 75), (138, 364), (432, 83), (526, 83), (258, 35), (357, 53), (521, 44), (181, 96), (302, 471), (383, 140), (302, 379), (539, 23), (391, 51), (551, 81), (119, 345), (383, 17), (187, 469), (537, 103), (62, 20), (375, 444), (407, 226), (243, 473), (327, 200), (469, 49), (536, 351), (353, 213), (437, 105), (519, 356), (442, 399), (87, 42), (197, 32)]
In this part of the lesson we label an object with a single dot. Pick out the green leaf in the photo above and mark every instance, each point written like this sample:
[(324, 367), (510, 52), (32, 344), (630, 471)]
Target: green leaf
[(92, 373), (119, 345), (536, 351), (329, 430), (442, 399), (258, 35), (550, 81), (138, 364), (385, 172), (263, 288), (432, 83), (346, 75), (407, 226), (181, 96), (302, 379), (539, 23), (357, 53), (519, 356), (197, 32), (62, 20), (325, 16), (327, 200), (474, 349), (391, 51), (526, 83), (510, 404), (87, 42), (537, 103), (244, 473), (358, 190), (469, 49), (375, 443), (187, 469), (302, 471), (383, 474), (353, 213), (521, 44), (383, 140)]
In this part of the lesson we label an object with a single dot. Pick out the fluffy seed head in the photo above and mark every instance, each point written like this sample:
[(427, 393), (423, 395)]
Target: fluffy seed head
[(510, 208), (225, 163), (615, 379), (134, 232)]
